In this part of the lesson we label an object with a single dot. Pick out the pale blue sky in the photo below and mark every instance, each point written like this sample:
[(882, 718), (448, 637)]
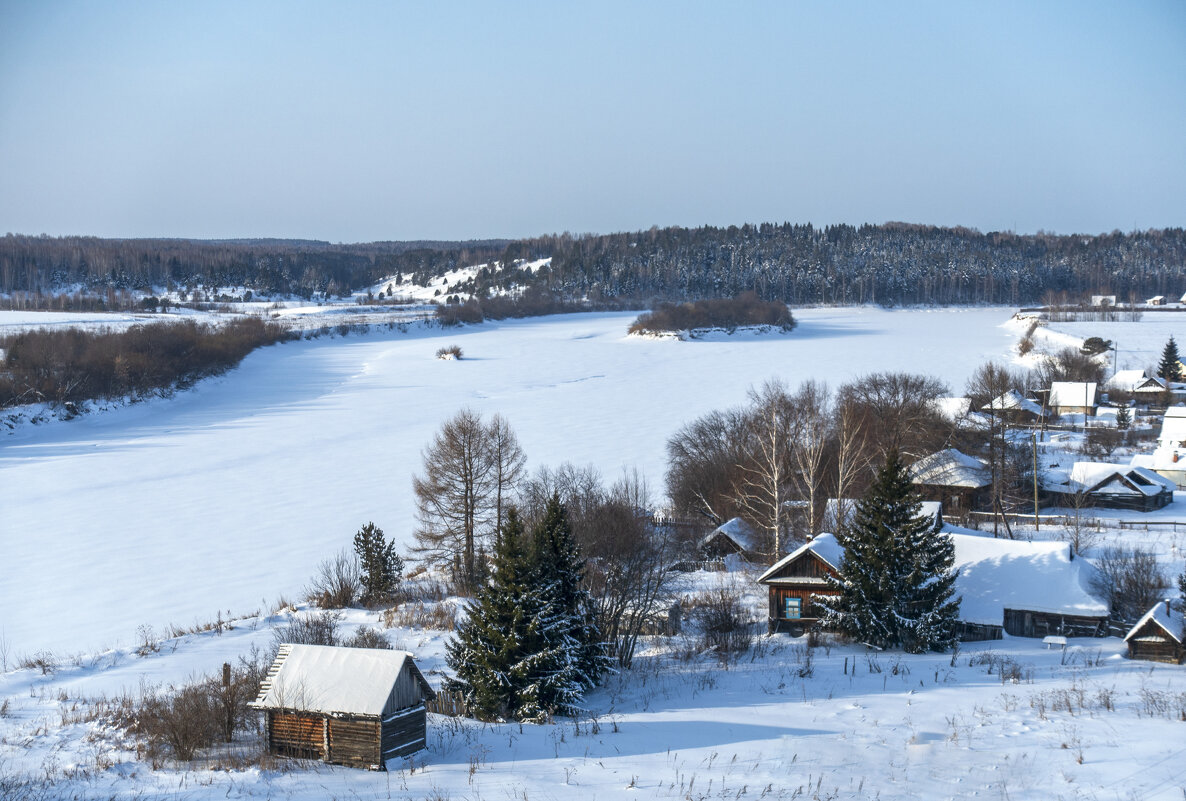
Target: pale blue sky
[(365, 121)]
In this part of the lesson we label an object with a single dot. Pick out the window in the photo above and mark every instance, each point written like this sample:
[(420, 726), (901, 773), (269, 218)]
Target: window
[(792, 608)]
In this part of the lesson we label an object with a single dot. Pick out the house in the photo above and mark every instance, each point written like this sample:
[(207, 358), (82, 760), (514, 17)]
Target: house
[(1167, 462), (1159, 635), (733, 537), (1014, 407), (958, 481), (349, 706), (1156, 300), (1109, 486), (1072, 397), (1127, 381), (1025, 589)]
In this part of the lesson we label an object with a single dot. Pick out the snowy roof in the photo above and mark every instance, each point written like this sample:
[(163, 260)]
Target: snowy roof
[(1164, 458), (953, 409), (1072, 393), (998, 574), (932, 510), (1110, 478), (824, 546), (1127, 380), (1170, 619), (1156, 299), (950, 468), (1173, 426), (1013, 400), (737, 530), (330, 679)]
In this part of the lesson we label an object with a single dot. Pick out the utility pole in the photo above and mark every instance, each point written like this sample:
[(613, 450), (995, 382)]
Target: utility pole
[(1034, 443)]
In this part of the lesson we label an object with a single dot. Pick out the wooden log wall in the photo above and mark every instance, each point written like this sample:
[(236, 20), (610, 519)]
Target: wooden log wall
[(354, 741), (301, 736), (405, 732)]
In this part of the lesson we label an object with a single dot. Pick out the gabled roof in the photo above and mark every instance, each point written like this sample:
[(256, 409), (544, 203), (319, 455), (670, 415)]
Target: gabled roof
[(1109, 478), (1014, 401), (737, 530), (1127, 380), (1171, 620), (1072, 393), (334, 680), (950, 468), (824, 546)]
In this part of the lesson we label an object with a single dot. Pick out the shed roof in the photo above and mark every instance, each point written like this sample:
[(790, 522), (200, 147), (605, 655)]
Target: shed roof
[(1014, 401), (1127, 380), (950, 468), (824, 546), (1110, 478), (335, 680), (1072, 393), (1167, 617)]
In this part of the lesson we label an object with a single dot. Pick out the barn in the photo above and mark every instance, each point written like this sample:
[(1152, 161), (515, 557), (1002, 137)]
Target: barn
[(349, 706), (1159, 635)]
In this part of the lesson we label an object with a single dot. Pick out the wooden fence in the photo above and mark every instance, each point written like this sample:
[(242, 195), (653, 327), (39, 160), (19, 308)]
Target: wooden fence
[(1069, 521), (449, 703)]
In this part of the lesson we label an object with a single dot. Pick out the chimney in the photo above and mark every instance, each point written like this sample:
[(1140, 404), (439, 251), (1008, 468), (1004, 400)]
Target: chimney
[(1167, 607)]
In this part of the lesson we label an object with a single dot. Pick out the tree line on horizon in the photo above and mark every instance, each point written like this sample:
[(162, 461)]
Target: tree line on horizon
[(890, 264)]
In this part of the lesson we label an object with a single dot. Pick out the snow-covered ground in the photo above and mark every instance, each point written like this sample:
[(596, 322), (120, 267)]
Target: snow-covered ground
[(1007, 719), (217, 500), (170, 510), (1138, 343)]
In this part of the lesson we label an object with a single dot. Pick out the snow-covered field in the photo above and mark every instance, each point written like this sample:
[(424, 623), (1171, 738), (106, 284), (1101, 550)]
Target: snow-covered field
[(171, 510), (218, 500)]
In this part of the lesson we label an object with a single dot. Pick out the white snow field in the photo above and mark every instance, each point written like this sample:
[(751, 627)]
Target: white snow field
[(172, 510)]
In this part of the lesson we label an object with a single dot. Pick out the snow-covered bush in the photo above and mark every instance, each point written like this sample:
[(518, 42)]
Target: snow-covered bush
[(451, 352)]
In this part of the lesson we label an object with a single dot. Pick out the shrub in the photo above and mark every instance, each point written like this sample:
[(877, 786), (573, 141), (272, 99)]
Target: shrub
[(366, 638), (1131, 580), (319, 628), (337, 583), (724, 621), (417, 614), (182, 719), (449, 352)]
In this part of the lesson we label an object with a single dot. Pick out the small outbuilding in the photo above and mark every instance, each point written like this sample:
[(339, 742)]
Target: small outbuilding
[(956, 480), (1109, 486), (732, 538), (349, 706), (1072, 397), (1159, 635)]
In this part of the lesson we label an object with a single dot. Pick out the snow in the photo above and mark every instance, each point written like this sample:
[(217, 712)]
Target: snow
[(1127, 380), (333, 680), (1014, 400), (735, 529), (1173, 427), (235, 490)]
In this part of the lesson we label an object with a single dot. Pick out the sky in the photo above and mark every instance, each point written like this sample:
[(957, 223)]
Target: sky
[(360, 121)]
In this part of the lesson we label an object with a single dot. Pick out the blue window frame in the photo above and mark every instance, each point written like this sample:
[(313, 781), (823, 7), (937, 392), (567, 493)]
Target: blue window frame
[(792, 608)]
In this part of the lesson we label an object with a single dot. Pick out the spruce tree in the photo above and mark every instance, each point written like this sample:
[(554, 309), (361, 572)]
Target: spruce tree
[(486, 653), (896, 578), (566, 655), (1169, 368)]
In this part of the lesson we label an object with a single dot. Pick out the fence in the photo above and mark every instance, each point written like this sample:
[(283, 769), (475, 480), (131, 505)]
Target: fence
[(449, 703), (1070, 521)]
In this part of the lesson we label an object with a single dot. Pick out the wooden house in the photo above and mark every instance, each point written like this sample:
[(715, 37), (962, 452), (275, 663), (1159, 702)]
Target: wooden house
[(958, 481), (1173, 428), (732, 538), (1072, 397), (1109, 486), (1159, 636), (1015, 408), (349, 706), (1025, 589), (1156, 300), (792, 580)]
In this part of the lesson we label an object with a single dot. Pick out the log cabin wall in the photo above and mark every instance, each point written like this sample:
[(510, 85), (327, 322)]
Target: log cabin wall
[(405, 732), (1024, 623), (296, 735), (354, 742)]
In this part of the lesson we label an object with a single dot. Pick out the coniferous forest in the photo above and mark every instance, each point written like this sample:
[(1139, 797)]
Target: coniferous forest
[(890, 264)]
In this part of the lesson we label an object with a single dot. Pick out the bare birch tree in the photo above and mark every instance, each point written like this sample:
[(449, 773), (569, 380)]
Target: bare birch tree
[(762, 489)]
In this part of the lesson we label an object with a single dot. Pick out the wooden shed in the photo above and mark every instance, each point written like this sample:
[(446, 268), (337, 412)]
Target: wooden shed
[(1159, 635), (349, 706), (794, 579)]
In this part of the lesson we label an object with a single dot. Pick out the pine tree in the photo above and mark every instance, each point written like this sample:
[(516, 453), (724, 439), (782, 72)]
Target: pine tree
[(381, 567), (1169, 368), (896, 579), (487, 652)]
